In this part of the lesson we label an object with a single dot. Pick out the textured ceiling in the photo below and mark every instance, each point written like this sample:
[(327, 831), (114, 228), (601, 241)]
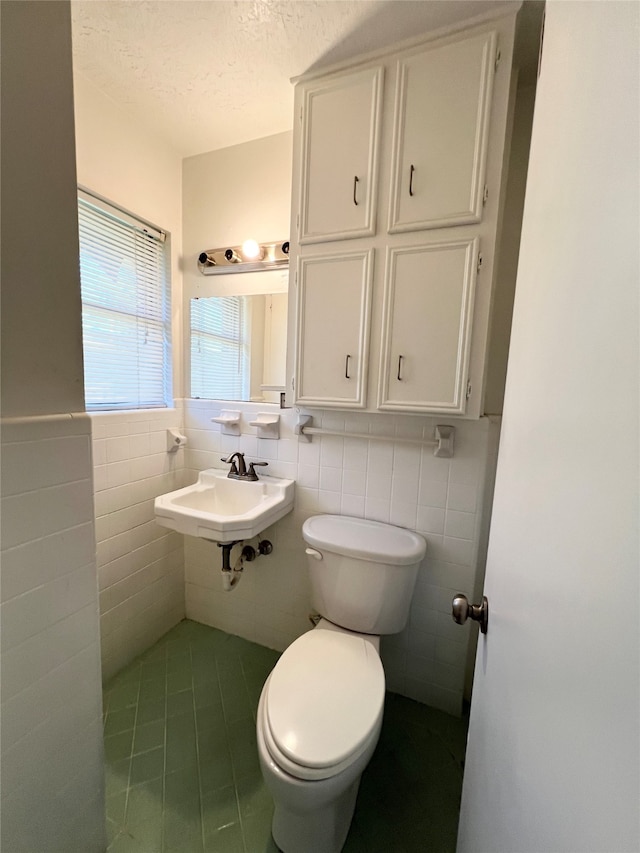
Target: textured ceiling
[(205, 74)]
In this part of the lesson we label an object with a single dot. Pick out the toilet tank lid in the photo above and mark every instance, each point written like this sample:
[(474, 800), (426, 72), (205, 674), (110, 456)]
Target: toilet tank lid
[(368, 540)]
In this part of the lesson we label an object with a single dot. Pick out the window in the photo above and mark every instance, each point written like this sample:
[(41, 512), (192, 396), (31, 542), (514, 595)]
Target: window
[(219, 348), (125, 309)]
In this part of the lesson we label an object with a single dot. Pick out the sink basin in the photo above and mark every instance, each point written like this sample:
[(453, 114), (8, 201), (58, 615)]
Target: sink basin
[(225, 510)]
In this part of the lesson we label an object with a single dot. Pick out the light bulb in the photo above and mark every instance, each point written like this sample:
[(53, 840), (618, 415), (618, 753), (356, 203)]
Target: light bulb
[(252, 251)]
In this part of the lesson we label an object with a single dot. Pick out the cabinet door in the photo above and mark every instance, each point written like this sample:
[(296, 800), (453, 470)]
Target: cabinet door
[(334, 301), (428, 307), (442, 121), (339, 157)]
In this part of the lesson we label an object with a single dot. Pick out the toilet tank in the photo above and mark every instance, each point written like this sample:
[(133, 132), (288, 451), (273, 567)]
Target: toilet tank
[(362, 572)]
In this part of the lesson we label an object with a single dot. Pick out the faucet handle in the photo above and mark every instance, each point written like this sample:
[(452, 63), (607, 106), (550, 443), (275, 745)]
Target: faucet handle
[(252, 466)]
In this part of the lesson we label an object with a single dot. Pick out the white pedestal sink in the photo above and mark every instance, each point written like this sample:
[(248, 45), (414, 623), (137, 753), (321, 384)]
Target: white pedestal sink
[(225, 510)]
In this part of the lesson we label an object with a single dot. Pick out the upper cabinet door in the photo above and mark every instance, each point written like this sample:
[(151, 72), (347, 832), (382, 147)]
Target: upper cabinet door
[(339, 157), (428, 309), (441, 128)]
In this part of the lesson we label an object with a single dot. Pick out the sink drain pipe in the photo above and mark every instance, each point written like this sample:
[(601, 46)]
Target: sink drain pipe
[(231, 575)]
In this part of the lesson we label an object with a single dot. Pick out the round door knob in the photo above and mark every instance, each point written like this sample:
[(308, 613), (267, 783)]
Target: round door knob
[(461, 610)]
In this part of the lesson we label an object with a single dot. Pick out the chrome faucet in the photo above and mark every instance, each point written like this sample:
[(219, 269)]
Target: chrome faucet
[(239, 471)]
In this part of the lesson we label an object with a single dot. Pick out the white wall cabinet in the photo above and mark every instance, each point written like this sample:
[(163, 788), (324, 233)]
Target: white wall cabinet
[(441, 128), (424, 129), (341, 119), (428, 304), (334, 307)]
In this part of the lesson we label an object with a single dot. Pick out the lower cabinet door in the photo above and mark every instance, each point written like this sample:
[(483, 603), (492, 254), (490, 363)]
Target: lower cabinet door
[(428, 309), (334, 306)]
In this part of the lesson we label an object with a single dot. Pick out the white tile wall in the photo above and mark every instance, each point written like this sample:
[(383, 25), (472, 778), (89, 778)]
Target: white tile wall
[(140, 564), (383, 480), (52, 777)]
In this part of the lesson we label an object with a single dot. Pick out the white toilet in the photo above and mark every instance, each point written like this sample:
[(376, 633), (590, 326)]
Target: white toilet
[(320, 711)]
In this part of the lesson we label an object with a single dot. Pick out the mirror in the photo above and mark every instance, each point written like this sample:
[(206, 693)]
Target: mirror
[(238, 347), (238, 331)]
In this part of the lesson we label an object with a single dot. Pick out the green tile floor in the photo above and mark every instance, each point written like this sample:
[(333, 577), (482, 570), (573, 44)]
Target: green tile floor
[(182, 772)]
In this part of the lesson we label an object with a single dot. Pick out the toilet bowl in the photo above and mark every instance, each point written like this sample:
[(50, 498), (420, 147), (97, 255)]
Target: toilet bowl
[(319, 720), (320, 711)]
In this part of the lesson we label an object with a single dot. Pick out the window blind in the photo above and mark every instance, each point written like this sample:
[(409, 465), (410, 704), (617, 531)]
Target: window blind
[(125, 309), (219, 348)]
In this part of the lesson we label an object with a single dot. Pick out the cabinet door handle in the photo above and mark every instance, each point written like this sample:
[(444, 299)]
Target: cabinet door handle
[(346, 367), (400, 360), (356, 180), (411, 171)]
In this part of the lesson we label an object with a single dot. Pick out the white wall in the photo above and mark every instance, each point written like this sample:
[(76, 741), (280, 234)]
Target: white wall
[(509, 247), (52, 779), (231, 195), (234, 194), (52, 774), (140, 566), (40, 294)]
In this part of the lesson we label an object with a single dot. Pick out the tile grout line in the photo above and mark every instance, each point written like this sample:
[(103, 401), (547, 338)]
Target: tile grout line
[(104, 736), (122, 828), (254, 718), (195, 723), (164, 760), (133, 740), (233, 764), (235, 778)]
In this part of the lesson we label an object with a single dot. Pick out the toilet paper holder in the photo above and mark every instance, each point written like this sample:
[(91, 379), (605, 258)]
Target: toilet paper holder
[(175, 440)]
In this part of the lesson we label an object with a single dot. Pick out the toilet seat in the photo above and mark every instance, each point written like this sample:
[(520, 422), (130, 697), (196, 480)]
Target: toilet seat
[(312, 774), (323, 703)]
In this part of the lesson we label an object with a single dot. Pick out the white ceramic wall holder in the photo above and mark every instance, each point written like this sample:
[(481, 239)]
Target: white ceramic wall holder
[(175, 440), (267, 425), (229, 422), (444, 438), (303, 421)]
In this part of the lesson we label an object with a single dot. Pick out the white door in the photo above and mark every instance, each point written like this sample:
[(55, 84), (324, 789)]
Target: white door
[(341, 125), (442, 126), (334, 308), (428, 309), (554, 754)]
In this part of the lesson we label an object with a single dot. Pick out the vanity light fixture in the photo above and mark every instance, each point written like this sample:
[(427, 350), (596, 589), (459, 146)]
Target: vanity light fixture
[(251, 256)]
